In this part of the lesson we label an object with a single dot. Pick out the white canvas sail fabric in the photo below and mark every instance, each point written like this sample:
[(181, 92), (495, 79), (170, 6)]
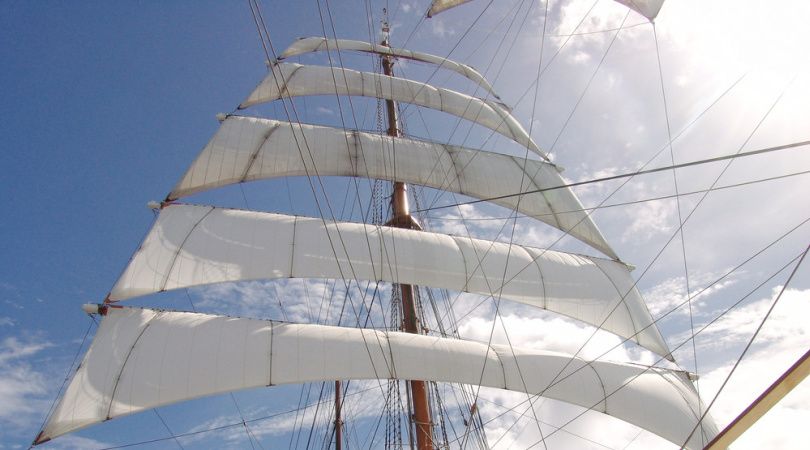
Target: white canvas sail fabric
[(438, 6), (647, 8), (247, 148), (292, 80), (142, 359), (316, 44), (197, 245)]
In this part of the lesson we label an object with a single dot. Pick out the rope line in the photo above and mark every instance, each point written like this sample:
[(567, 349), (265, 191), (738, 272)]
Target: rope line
[(629, 174)]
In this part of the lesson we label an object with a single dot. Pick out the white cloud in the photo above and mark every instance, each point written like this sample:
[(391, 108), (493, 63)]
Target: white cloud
[(70, 442), (440, 29), (671, 292), (580, 57), (786, 327), (294, 299), (651, 218), (784, 338), (23, 389), (550, 332)]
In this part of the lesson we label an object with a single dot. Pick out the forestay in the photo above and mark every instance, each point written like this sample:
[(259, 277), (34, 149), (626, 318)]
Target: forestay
[(197, 245), (246, 148), (292, 80), (316, 44), (142, 359)]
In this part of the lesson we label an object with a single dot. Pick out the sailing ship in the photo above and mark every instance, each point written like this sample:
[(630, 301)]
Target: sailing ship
[(146, 358)]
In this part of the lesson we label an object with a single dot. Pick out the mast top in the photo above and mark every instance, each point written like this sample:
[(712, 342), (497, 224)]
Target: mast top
[(386, 30)]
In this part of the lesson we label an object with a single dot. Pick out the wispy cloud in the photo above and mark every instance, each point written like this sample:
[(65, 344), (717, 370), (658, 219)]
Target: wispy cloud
[(783, 339), (23, 389), (438, 28), (71, 442), (671, 293), (547, 332)]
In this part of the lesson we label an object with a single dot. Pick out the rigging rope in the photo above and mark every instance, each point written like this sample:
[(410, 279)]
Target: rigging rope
[(166, 426), (680, 216), (630, 174), (632, 202), (588, 85), (695, 208), (705, 289), (748, 345), (67, 376)]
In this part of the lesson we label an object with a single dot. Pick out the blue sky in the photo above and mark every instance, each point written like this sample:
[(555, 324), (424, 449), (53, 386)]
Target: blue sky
[(105, 105)]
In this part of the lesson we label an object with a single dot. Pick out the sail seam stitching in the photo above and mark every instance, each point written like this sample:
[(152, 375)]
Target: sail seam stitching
[(126, 360), (637, 337), (254, 155), (180, 248)]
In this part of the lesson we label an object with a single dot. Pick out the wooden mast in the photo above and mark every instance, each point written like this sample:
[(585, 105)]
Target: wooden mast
[(410, 322), (338, 421)]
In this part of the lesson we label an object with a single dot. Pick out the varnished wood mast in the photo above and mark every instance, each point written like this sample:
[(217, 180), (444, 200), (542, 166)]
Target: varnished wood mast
[(410, 322)]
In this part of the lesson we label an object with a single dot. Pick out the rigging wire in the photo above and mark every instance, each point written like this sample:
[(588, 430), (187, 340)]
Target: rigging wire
[(737, 155), (687, 127), (588, 85), (226, 426), (497, 293), (700, 419), (514, 221), (258, 18), (351, 106), (513, 226), (748, 345), (166, 426), (467, 136), (691, 213), (700, 292), (534, 84), (651, 366), (264, 33), (67, 375), (733, 270), (634, 202), (680, 214)]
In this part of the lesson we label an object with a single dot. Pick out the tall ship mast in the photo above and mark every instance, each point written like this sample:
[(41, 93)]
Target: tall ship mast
[(389, 326)]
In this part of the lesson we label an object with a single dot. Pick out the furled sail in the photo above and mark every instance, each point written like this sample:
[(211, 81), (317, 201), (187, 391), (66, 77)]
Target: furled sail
[(142, 359), (315, 44), (292, 80), (647, 8), (197, 245), (247, 148)]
